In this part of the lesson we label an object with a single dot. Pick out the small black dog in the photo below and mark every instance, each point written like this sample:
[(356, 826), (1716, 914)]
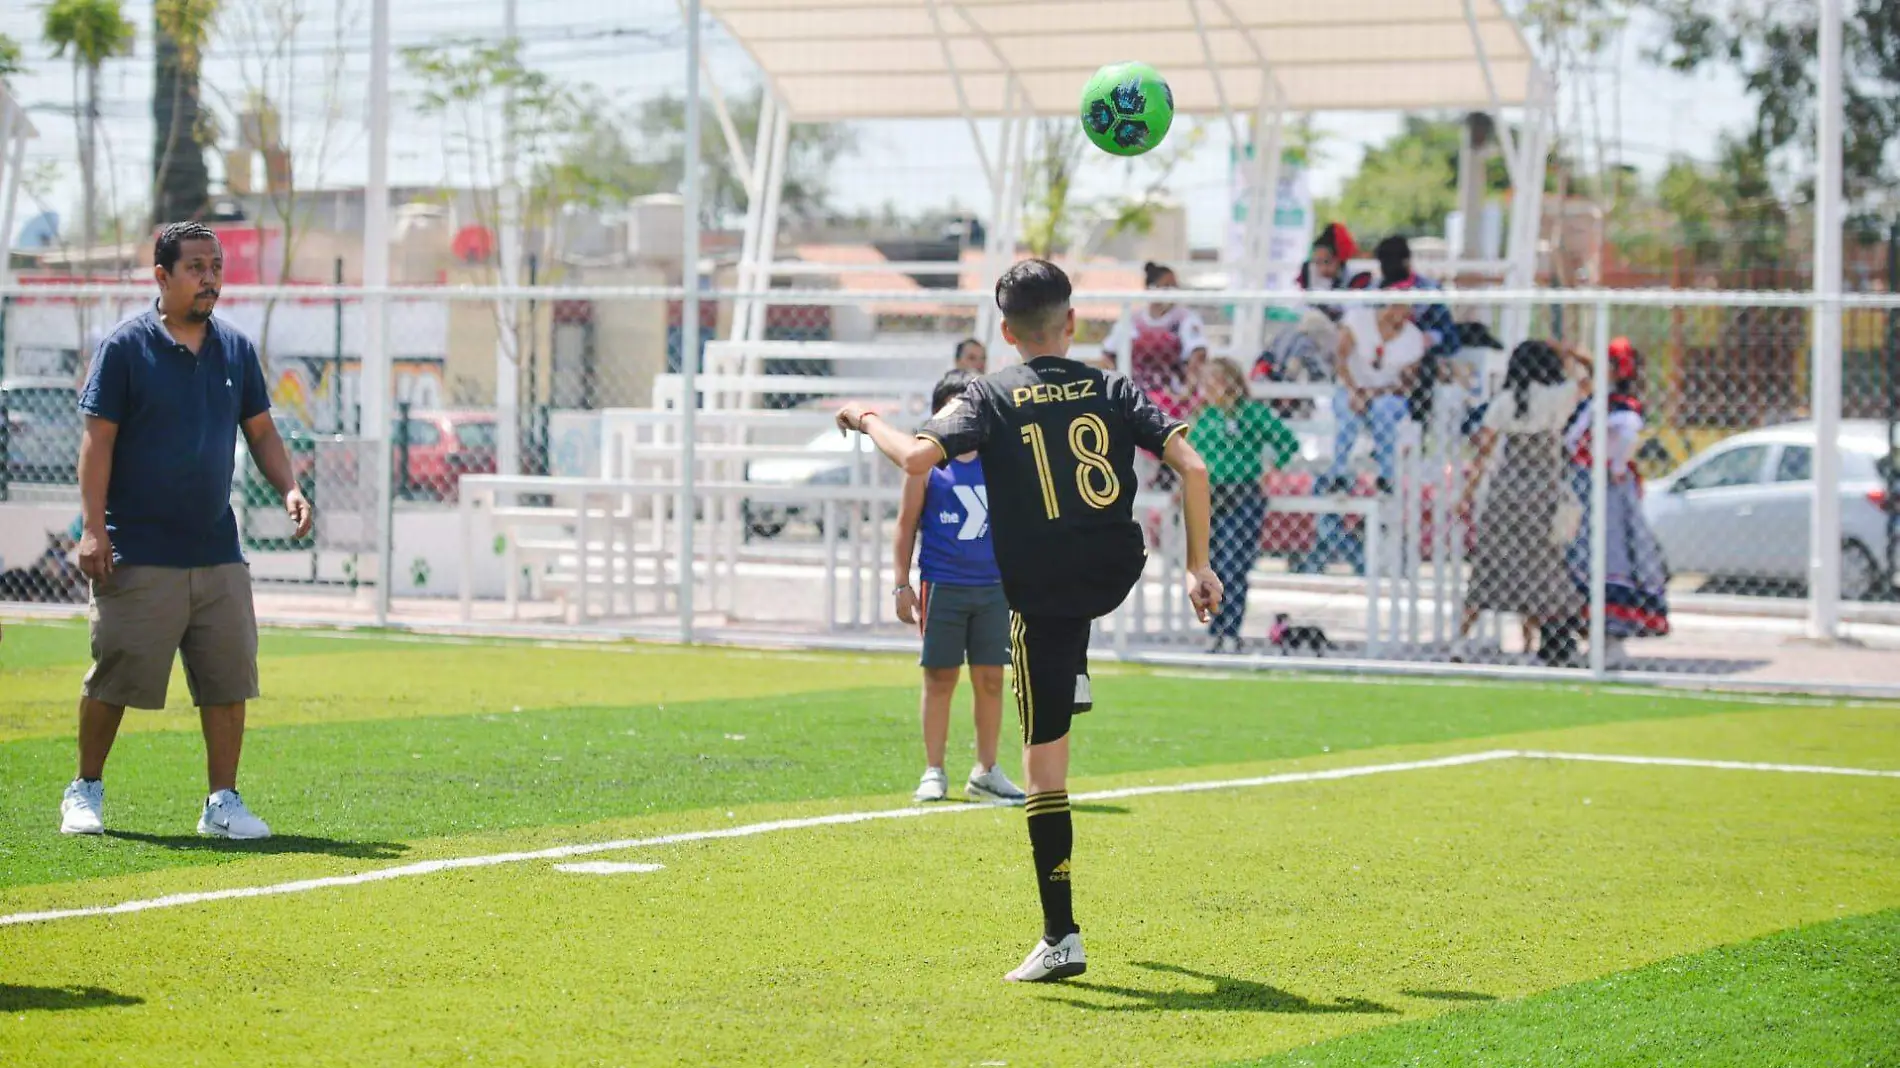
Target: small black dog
[(1288, 638)]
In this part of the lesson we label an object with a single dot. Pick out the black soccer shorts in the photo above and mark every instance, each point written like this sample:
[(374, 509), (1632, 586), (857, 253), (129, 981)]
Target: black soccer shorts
[(1048, 655)]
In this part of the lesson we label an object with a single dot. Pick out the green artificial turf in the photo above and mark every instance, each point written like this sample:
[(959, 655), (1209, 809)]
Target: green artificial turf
[(374, 754), (1513, 912), (1220, 925), (1825, 996)]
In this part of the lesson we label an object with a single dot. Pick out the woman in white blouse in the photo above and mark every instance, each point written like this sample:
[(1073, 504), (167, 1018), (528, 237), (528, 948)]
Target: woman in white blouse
[(1529, 513), (1165, 343)]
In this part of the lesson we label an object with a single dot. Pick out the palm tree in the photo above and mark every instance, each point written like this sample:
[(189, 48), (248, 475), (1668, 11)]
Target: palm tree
[(180, 184), (93, 31)]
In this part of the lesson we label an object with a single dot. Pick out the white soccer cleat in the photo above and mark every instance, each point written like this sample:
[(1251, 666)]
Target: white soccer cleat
[(1047, 963), (225, 816), (991, 785), (82, 809), (934, 786)]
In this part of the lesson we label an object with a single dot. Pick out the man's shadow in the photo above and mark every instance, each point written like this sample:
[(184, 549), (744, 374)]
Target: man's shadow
[(276, 844), (61, 998), (1228, 995)]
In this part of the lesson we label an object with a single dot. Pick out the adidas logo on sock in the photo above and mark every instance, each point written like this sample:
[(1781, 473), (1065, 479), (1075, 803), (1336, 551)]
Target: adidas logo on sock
[(1061, 873)]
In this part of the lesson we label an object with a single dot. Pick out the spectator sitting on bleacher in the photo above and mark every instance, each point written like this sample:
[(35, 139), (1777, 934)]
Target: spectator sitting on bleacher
[(1327, 267), (1303, 351), (1379, 350), (1165, 344), (972, 357), (1434, 320)]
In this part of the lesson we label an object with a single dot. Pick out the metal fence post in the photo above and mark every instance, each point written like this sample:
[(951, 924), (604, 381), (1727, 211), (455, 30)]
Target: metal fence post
[(689, 322), (1599, 510)]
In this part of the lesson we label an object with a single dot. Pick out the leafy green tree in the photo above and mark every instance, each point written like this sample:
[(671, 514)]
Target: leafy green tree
[(91, 32), (181, 184), (1408, 185), (1774, 46), (812, 151)]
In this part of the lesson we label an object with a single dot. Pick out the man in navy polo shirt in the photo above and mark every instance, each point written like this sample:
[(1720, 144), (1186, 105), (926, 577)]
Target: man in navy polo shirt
[(164, 399)]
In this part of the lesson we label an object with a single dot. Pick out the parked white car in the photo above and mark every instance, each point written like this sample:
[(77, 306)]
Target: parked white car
[(827, 462), (1740, 509)]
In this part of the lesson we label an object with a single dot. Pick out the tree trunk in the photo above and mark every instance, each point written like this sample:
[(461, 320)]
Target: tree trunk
[(88, 157), (181, 185)]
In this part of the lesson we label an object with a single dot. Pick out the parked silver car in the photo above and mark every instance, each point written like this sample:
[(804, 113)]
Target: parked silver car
[(1739, 511), (43, 427)]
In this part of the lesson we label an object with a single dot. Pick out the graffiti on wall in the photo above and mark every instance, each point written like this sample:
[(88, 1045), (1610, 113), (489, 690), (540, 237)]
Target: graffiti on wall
[(305, 387)]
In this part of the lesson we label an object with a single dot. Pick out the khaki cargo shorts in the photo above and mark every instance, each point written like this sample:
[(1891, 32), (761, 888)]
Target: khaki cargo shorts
[(143, 616)]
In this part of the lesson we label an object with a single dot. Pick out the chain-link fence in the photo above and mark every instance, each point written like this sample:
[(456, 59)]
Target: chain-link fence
[(1632, 489)]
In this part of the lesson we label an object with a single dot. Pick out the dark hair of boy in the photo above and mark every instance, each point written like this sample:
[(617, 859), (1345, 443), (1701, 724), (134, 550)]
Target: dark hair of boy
[(949, 388), (1034, 299)]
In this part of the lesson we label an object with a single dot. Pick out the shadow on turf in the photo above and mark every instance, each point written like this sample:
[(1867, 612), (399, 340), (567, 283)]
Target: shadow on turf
[(61, 998), (1229, 995), (1449, 995), (1098, 809), (282, 843)]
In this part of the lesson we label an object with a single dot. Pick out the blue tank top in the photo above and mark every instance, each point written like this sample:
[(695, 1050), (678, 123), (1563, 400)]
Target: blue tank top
[(955, 528)]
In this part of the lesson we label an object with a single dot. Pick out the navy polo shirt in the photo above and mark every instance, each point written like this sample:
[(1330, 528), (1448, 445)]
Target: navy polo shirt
[(168, 502)]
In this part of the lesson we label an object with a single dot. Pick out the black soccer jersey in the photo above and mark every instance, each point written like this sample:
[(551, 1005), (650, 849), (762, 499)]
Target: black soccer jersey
[(1057, 439)]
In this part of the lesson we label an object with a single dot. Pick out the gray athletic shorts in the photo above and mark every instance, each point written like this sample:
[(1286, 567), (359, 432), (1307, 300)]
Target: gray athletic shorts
[(965, 622), (143, 617)]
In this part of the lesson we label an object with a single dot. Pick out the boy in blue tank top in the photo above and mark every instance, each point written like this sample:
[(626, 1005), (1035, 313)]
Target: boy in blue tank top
[(959, 606)]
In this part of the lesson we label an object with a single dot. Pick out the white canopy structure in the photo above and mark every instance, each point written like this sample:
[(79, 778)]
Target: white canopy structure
[(15, 130), (1248, 61), (835, 60)]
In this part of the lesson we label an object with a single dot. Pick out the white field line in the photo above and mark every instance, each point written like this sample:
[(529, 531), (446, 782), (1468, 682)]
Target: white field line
[(430, 867), (1724, 765)]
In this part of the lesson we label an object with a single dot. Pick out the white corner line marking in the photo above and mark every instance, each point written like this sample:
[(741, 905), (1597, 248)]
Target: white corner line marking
[(1724, 765), (430, 867)]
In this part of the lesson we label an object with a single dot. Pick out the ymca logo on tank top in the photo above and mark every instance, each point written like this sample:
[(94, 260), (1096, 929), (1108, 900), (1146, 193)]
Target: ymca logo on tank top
[(955, 528)]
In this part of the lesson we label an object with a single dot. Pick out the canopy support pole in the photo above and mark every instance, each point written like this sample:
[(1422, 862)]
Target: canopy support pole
[(1527, 204), (1262, 202), (747, 278), (769, 223)]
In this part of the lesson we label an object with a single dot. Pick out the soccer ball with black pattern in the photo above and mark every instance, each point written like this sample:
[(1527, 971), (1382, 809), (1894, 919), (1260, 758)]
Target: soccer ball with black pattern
[(1127, 108)]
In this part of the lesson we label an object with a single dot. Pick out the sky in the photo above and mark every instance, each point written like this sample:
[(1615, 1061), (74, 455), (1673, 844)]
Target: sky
[(1647, 115)]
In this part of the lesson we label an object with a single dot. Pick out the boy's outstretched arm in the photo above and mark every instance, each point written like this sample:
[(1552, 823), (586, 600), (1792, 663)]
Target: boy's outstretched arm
[(1204, 589), (914, 454)]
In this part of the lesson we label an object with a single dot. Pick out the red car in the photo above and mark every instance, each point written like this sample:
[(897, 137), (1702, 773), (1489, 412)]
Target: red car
[(442, 447)]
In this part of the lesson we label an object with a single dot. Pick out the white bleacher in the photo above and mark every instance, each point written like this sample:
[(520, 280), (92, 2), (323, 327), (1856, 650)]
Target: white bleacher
[(607, 546)]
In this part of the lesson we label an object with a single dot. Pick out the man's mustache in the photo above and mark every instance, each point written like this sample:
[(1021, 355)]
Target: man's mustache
[(208, 293)]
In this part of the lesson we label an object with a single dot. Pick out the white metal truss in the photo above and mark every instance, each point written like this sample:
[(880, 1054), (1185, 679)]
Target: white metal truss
[(15, 131)]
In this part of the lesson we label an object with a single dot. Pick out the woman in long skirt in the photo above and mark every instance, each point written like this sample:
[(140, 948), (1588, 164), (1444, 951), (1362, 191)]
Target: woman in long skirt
[(1636, 576), (1525, 525)]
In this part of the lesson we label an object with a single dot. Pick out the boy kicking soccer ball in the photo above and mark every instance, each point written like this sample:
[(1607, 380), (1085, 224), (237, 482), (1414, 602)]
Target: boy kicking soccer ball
[(1057, 443), (960, 608)]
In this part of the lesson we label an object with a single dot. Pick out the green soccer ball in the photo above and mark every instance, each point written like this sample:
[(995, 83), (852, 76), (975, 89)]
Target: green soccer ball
[(1127, 108)]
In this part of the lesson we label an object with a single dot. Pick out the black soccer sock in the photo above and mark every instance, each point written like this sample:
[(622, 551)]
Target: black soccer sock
[(1051, 839)]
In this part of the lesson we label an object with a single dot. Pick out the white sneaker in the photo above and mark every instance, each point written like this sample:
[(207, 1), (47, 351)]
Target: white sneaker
[(1047, 963), (82, 809), (226, 817), (934, 786), (991, 785)]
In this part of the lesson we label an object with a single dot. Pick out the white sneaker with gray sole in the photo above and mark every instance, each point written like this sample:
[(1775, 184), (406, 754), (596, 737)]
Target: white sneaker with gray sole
[(991, 785), (226, 816), (934, 786), (82, 809)]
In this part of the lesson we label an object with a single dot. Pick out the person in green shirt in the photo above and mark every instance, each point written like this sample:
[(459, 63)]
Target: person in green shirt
[(1239, 437)]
